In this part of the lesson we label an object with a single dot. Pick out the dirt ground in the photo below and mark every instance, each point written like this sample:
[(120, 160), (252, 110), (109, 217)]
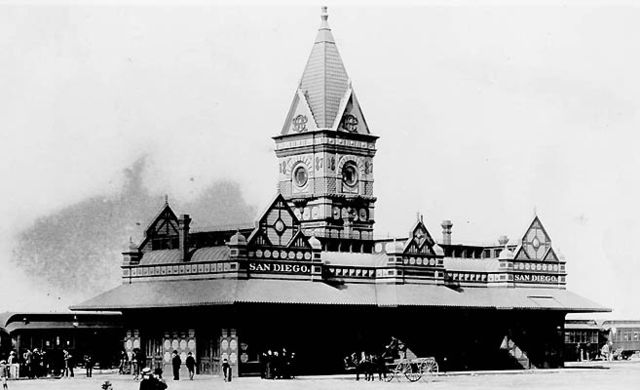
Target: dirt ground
[(615, 375)]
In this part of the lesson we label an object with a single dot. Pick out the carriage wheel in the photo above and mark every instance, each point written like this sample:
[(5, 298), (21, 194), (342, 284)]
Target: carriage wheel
[(430, 369), (413, 371), (391, 372)]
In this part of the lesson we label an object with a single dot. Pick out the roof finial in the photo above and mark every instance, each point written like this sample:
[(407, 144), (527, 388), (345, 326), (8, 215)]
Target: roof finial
[(535, 211), (324, 15), (166, 199)]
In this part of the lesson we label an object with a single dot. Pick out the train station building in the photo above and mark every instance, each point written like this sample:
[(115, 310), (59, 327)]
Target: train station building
[(309, 275)]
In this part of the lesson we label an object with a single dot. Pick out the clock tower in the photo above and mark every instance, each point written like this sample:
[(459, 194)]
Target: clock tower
[(325, 153)]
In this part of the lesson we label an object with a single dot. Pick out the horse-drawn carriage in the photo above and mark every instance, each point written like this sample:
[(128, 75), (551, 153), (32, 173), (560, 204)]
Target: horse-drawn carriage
[(401, 361), (395, 362), (412, 369)]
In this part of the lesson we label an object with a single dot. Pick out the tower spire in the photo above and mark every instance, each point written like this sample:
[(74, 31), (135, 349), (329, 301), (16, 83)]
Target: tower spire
[(325, 151), (325, 99), (324, 32)]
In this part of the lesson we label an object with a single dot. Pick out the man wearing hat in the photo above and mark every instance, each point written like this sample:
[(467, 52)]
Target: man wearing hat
[(147, 382), (176, 362)]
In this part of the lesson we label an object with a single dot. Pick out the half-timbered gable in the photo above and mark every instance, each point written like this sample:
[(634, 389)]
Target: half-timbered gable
[(162, 232)]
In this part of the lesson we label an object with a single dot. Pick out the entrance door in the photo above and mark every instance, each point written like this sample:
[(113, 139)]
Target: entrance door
[(208, 354), (153, 351)]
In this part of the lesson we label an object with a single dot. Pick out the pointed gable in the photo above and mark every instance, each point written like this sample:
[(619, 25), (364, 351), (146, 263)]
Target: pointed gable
[(520, 254), (420, 241), (277, 226), (162, 232), (536, 243), (300, 241), (350, 118), (550, 256), (300, 119)]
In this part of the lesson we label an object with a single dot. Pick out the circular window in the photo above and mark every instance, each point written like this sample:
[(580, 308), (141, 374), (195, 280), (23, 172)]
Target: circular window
[(300, 176), (279, 226), (349, 175)]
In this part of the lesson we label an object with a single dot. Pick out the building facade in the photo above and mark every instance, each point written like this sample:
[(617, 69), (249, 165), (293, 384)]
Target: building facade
[(310, 277), (79, 333)]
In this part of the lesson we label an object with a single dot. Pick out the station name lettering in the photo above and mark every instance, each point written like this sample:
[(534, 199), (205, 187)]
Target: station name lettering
[(280, 268), (535, 278)]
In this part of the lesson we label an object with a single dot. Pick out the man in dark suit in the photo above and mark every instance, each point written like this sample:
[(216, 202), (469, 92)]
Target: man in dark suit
[(176, 362)]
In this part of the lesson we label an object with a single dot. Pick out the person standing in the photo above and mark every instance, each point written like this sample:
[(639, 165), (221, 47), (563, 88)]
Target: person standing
[(35, 363), (4, 373), (135, 365), (68, 363), (268, 363), (176, 362), (14, 367), (263, 365), (605, 351), (191, 365), (277, 365), (28, 361), (226, 370), (123, 362), (292, 365), (88, 365)]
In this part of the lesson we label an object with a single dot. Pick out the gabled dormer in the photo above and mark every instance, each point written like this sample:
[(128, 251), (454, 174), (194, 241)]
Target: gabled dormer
[(162, 232), (534, 261), (535, 244), (420, 242), (278, 227)]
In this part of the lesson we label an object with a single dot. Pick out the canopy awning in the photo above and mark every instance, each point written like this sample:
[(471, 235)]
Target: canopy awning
[(185, 293)]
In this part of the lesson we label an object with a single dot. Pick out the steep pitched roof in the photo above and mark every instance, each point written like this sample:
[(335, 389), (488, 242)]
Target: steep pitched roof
[(325, 90), (324, 81)]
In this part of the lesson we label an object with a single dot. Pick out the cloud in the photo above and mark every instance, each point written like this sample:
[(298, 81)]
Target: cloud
[(76, 251)]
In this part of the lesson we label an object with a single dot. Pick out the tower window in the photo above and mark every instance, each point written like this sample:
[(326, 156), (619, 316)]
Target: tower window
[(300, 176), (349, 175)]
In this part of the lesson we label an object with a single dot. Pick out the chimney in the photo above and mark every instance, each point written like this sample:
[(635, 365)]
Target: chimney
[(132, 255), (183, 235), (446, 232)]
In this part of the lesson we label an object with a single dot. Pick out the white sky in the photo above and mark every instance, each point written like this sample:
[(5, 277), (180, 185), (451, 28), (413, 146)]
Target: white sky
[(485, 112)]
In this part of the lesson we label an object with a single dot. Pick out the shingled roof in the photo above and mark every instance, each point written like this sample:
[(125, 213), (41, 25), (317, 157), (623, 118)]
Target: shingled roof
[(324, 81), (325, 88)]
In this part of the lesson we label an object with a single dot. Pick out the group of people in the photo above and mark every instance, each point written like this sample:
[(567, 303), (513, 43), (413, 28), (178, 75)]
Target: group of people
[(276, 364), (135, 364), (176, 362), (367, 364), (37, 363), (607, 352), (11, 365)]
